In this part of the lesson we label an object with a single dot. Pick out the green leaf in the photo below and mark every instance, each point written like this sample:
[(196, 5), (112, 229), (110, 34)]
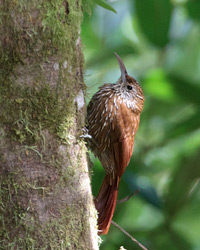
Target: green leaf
[(184, 127), (154, 19), (105, 5), (182, 187), (158, 85), (185, 89), (193, 8)]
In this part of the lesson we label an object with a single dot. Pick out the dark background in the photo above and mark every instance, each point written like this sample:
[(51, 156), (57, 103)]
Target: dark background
[(159, 42)]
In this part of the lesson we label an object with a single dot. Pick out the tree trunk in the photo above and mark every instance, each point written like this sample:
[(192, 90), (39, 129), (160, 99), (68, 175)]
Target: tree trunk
[(45, 194)]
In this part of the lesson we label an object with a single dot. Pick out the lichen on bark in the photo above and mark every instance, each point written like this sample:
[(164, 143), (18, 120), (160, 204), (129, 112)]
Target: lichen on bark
[(45, 196)]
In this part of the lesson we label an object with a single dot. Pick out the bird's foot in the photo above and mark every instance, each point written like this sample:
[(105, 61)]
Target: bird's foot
[(85, 133)]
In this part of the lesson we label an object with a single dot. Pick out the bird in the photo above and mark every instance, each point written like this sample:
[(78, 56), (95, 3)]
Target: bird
[(113, 117)]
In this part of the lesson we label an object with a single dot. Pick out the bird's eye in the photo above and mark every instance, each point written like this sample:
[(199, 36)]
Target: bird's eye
[(129, 87)]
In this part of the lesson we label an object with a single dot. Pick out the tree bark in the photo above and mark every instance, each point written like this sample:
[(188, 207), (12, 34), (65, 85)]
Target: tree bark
[(45, 194)]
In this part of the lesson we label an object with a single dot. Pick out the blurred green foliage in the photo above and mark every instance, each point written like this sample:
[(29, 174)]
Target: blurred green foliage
[(159, 42)]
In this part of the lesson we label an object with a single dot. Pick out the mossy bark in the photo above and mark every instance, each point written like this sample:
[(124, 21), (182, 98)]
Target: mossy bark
[(45, 195)]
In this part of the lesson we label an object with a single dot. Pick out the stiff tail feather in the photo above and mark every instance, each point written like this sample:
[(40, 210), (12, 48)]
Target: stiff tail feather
[(105, 203)]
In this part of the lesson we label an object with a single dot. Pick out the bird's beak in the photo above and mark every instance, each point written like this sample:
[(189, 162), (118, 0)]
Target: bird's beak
[(122, 68)]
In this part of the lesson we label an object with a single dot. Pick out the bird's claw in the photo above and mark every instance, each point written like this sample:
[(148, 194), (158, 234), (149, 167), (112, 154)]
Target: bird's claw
[(87, 136)]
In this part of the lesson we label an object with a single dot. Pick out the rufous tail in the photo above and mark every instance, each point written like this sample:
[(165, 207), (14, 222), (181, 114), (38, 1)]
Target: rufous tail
[(105, 203)]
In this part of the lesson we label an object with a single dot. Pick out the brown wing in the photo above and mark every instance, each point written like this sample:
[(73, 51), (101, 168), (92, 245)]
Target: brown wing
[(126, 126)]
